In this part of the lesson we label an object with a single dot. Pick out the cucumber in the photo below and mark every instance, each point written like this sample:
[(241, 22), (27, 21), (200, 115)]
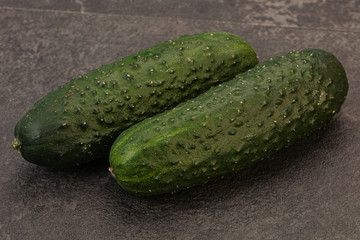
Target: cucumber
[(231, 126), (78, 122)]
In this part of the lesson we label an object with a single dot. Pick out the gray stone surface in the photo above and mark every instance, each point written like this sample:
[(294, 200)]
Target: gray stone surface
[(287, 13), (309, 191)]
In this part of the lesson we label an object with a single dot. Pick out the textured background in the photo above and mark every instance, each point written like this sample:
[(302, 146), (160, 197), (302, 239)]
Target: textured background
[(309, 191)]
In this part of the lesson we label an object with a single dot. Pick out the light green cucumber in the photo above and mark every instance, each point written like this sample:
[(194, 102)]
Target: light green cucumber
[(231, 126)]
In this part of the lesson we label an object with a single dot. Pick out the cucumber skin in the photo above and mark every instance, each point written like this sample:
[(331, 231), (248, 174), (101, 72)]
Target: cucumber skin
[(231, 126), (78, 122)]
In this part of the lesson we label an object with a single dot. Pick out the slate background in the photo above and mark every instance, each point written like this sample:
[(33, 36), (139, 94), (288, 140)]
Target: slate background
[(309, 191)]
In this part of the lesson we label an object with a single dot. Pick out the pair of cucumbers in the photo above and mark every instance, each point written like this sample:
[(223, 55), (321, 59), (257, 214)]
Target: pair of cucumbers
[(184, 112)]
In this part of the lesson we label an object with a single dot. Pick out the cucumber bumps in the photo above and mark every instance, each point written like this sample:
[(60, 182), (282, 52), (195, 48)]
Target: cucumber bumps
[(232, 125), (79, 121)]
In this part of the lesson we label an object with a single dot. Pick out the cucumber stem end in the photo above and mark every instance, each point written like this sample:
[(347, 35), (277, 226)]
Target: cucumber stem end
[(16, 144)]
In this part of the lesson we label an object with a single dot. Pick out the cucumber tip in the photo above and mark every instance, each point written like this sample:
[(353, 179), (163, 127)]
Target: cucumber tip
[(111, 170), (16, 144)]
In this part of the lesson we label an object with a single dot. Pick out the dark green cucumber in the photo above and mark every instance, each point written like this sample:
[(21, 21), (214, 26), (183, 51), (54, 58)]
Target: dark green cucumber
[(79, 121), (232, 125)]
